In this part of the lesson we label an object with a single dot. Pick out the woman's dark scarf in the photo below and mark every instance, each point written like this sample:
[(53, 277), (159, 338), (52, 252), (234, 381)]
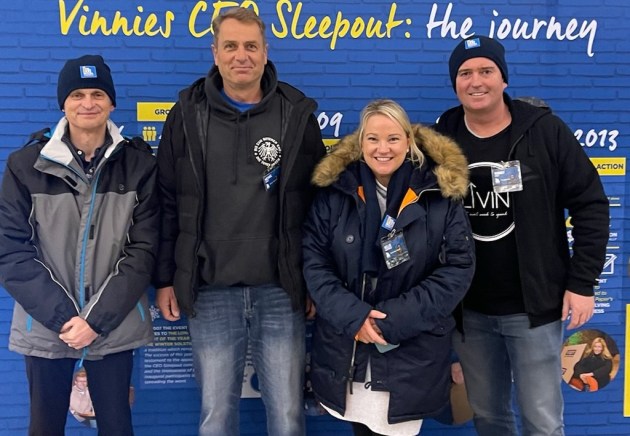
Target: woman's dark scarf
[(372, 262)]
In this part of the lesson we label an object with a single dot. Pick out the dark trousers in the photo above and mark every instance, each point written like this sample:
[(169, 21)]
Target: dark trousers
[(362, 430), (50, 385)]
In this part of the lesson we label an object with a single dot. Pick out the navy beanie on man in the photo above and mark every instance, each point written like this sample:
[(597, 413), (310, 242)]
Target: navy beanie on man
[(89, 71), (477, 47)]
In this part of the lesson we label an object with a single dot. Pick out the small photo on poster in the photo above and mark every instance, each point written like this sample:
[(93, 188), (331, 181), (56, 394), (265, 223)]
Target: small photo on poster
[(80, 401), (590, 360), (81, 406)]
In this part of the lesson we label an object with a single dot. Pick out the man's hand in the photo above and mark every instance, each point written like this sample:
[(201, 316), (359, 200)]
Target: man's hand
[(369, 333), (311, 310), (457, 374), (77, 333), (577, 307), (167, 303)]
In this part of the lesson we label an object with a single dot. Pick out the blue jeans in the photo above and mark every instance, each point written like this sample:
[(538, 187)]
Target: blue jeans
[(226, 320), (498, 352)]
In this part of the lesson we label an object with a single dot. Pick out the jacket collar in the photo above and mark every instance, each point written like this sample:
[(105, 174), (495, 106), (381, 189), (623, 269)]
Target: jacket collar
[(524, 116), (57, 151), (443, 157)]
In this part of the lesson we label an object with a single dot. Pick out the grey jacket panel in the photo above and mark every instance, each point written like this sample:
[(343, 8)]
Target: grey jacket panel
[(96, 241)]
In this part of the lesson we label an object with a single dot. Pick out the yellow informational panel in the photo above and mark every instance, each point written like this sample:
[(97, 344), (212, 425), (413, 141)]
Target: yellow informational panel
[(626, 378), (153, 111), (610, 166)]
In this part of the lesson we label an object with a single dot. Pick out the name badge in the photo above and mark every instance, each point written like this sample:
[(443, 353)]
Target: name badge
[(394, 249), (507, 178), (270, 178)]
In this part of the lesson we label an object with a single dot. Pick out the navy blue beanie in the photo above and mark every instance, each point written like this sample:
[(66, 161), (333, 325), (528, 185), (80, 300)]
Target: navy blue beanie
[(89, 71), (477, 47)]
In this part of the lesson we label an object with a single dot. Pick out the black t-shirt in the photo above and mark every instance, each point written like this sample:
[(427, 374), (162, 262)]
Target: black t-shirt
[(496, 287)]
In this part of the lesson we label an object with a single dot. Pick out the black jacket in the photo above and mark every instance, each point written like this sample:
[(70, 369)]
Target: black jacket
[(557, 176), (418, 295), (182, 184), (598, 365)]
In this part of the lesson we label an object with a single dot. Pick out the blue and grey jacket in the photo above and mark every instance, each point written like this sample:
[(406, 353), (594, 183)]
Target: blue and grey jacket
[(74, 247)]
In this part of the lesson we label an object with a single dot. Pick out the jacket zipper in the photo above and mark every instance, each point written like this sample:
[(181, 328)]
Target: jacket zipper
[(192, 285), (511, 152), (283, 234), (511, 156), (88, 225), (354, 345), (86, 235)]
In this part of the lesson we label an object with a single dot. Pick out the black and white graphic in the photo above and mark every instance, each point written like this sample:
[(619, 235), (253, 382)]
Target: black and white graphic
[(489, 211), (268, 152)]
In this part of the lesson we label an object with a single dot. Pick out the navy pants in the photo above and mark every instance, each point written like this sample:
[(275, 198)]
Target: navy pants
[(50, 384)]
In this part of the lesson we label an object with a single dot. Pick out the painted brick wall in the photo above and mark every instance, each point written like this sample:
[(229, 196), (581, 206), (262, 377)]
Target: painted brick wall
[(590, 91)]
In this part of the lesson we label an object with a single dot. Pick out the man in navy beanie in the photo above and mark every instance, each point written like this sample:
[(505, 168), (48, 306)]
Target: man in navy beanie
[(526, 169), (78, 240), (89, 71)]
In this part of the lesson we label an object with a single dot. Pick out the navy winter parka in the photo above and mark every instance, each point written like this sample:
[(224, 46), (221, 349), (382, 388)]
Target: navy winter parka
[(418, 296)]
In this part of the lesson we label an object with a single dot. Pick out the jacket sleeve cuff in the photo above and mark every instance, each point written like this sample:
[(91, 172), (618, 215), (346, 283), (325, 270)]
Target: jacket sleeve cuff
[(94, 327), (580, 289)]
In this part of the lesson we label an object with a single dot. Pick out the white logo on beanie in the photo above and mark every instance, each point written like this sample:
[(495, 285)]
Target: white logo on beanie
[(88, 72), (472, 43)]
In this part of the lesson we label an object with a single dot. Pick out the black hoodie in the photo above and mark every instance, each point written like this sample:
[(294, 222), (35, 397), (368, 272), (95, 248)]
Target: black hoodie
[(220, 226), (239, 244)]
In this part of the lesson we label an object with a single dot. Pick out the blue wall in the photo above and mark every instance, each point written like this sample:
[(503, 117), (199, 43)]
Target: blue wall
[(578, 62)]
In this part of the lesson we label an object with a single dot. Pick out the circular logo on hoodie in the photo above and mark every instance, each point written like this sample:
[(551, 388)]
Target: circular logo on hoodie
[(267, 152)]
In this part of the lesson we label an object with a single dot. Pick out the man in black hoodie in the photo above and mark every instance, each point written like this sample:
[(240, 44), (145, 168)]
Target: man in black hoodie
[(235, 160), (526, 169)]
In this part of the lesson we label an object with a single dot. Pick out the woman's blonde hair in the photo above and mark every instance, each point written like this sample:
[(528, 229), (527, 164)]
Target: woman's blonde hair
[(605, 352), (396, 113)]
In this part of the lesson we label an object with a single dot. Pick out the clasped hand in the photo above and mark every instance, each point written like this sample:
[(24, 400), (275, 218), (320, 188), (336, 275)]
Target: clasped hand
[(369, 332), (77, 333)]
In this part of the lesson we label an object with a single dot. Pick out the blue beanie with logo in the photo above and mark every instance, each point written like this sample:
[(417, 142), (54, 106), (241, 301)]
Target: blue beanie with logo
[(477, 47), (89, 71)]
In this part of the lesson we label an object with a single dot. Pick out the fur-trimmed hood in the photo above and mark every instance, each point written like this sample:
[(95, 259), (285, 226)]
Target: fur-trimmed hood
[(449, 163)]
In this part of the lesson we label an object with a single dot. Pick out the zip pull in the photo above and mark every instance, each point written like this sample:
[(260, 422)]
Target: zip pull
[(79, 364), (351, 377)]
